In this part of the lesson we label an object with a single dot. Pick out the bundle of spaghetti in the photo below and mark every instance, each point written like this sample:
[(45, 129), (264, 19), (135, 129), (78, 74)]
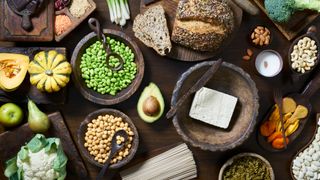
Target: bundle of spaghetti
[(174, 164)]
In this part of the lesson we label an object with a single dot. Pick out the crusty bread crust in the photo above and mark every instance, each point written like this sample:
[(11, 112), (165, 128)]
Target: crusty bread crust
[(202, 25)]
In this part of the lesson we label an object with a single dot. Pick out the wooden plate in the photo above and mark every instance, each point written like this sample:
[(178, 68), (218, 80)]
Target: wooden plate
[(75, 21), (231, 80), (295, 25), (83, 129), (26, 89), (185, 54), (92, 95), (11, 142), (262, 141)]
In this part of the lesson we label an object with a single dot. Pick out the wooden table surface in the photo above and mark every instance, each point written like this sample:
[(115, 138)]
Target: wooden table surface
[(165, 72)]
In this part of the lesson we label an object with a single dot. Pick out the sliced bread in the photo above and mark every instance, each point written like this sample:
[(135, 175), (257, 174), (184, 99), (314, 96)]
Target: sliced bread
[(151, 28)]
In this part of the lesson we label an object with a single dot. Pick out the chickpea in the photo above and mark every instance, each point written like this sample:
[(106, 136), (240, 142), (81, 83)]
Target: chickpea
[(99, 136)]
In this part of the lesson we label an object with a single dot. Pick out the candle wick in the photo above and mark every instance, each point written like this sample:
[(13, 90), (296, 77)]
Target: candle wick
[(265, 63)]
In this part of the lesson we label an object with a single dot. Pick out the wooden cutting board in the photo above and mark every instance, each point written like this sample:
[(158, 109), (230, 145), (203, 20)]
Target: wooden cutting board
[(11, 142), (296, 24), (26, 89), (10, 24), (185, 54)]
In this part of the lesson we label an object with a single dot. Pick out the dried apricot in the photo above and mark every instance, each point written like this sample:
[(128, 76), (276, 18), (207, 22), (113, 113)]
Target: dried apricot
[(278, 143)]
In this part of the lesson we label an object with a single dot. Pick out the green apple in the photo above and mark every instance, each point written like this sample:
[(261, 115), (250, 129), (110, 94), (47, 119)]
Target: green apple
[(10, 115)]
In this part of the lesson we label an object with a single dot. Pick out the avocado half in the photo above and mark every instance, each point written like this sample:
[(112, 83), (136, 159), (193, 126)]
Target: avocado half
[(151, 104)]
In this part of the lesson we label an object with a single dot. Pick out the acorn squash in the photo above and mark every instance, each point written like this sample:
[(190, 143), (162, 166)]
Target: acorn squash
[(49, 71), (13, 70)]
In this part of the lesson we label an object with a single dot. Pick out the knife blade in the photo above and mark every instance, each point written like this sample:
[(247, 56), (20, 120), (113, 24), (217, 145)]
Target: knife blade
[(198, 85), (147, 2)]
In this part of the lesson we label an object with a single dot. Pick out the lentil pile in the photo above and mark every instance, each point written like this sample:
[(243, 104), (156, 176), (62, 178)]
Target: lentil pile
[(247, 168), (99, 136), (62, 23), (96, 73)]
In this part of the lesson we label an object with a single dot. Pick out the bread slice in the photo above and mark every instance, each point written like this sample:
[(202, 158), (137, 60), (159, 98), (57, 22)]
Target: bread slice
[(151, 28)]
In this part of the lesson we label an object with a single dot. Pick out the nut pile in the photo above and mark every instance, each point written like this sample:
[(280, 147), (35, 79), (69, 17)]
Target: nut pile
[(99, 136), (260, 36), (307, 164), (304, 55)]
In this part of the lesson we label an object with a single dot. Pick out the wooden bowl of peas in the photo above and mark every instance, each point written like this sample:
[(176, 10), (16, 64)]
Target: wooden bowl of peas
[(95, 135), (93, 77)]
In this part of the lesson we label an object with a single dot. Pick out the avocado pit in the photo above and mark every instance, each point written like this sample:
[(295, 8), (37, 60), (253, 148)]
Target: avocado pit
[(151, 106)]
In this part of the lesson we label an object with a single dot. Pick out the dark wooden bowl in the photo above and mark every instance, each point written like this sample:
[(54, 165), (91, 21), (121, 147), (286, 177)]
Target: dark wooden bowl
[(301, 99), (92, 95), (230, 161), (306, 146), (311, 33), (83, 129), (229, 79)]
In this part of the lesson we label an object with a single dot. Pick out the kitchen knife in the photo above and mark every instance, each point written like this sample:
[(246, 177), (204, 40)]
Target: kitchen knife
[(198, 85), (147, 2)]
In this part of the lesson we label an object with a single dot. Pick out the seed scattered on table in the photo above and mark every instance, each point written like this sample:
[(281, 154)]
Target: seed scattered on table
[(99, 136)]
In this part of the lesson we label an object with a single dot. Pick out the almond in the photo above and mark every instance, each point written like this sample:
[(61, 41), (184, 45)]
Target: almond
[(249, 52), (246, 58)]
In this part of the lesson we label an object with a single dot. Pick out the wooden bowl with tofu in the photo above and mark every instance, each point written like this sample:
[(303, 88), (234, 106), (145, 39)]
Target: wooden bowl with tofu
[(224, 112)]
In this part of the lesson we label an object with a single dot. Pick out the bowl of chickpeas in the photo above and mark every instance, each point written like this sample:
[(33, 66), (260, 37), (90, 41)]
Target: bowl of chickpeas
[(95, 136)]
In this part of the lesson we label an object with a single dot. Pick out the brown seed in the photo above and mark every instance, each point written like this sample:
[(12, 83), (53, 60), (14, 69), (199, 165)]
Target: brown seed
[(249, 52), (246, 58), (260, 27), (256, 41), (252, 35), (261, 42)]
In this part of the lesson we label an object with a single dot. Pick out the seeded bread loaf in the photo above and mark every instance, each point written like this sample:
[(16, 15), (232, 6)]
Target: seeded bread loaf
[(151, 28), (202, 25)]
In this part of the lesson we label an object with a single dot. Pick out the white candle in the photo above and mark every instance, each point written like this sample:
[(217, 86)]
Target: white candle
[(269, 63)]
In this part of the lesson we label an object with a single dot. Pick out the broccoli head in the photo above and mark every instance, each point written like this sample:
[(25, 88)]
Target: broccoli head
[(279, 10), (282, 10)]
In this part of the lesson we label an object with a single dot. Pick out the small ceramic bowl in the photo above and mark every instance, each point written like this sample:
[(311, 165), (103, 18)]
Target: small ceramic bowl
[(92, 95), (257, 45), (83, 129), (266, 61), (231, 160)]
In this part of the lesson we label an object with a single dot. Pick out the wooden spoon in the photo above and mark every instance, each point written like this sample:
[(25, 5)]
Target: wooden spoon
[(301, 99)]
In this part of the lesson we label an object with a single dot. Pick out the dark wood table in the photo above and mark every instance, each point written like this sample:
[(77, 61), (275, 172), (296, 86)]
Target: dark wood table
[(165, 72)]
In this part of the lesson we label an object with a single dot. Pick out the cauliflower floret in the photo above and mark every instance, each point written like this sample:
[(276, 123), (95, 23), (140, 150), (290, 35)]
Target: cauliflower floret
[(39, 166)]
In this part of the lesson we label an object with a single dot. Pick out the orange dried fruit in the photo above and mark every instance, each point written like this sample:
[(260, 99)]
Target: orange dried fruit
[(278, 143)]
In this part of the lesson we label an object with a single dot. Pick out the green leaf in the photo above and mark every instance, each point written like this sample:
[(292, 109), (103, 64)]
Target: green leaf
[(37, 143), (23, 154), (11, 167), (52, 145)]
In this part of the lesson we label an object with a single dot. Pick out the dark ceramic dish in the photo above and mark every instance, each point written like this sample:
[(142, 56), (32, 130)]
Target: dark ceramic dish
[(311, 33), (231, 160), (301, 99), (306, 146), (83, 129), (231, 80), (92, 95)]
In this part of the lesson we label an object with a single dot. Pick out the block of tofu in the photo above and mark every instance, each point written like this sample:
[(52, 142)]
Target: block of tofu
[(213, 107)]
